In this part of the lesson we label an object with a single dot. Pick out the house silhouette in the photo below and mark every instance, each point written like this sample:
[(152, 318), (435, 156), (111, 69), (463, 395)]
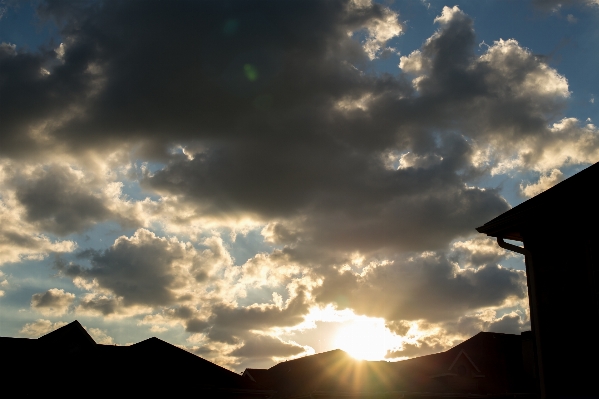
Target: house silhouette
[(69, 360), (558, 229), (493, 364)]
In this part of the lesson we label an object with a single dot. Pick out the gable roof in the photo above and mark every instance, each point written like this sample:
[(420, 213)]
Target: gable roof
[(465, 355), (259, 376), (68, 337), (155, 354), (165, 369), (575, 199), (332, 371)]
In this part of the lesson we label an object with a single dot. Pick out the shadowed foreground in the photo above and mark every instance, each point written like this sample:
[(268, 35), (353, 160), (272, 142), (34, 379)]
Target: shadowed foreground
[(486, 365)]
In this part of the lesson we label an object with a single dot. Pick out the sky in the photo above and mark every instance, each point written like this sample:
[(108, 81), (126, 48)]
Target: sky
[(256, 181)]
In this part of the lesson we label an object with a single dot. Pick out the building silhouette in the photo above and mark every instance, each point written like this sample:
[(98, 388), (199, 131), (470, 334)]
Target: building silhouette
[(558, 229), (69, 360), (493, 364)]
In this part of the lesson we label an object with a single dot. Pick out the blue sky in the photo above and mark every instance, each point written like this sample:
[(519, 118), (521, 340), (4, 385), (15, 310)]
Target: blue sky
[(259, 182)]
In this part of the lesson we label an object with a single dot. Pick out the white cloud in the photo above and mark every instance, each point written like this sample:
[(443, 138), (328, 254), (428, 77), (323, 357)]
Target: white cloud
[(100, 336), (415, 63), (40, 327), (556, 5), (449, 14), (516, 69), (479, 251), (382, 28), (3, 284), (545, 182)]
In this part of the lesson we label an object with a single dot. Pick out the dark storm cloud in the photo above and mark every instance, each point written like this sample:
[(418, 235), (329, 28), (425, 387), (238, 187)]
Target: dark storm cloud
[(60, 202), (185, 70), (31, 96), (270, 102)]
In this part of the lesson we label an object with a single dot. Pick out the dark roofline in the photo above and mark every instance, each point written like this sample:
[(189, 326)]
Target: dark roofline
[(72, 325), (567, 195)]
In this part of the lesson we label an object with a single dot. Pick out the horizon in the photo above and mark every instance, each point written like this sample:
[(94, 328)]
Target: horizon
[(261, 181)]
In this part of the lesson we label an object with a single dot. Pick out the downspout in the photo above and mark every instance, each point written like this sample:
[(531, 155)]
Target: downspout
[(534, 308)]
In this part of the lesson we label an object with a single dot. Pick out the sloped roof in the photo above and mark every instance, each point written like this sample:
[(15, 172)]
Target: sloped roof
[(71, 336), (494, 356), (259, 376), (149, 367), (156, 354), (330, 371), (569, 205)]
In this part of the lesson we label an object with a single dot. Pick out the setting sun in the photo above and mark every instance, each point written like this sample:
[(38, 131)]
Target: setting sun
[(365, 338)]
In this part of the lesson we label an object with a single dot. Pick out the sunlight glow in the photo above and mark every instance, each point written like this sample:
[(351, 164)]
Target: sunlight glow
[(366, 338)]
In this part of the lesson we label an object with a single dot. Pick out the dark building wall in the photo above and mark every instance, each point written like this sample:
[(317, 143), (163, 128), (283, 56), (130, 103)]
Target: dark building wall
[(562, 271)]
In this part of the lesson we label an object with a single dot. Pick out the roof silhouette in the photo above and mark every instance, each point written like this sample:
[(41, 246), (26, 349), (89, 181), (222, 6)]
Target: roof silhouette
[(487, 362), (72, 336), (566, 203), (149, 367)]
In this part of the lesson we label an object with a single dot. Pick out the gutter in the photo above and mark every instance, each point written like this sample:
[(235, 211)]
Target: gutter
[(534, 307), (514, 248)]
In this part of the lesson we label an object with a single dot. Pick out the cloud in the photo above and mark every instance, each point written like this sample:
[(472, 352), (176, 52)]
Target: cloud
[(64, 199), (143, 269), (511, 323), (40, 327), (381, 29), (265, 117), (418, 348), (100, 336), (20, 240), (99, 305), (187, 316), (554, 5), (52, 302), (261, 346), (306, 155), (450, 290), (229, 322), (98, 74), (60, 201), (423, 338), (479, 251), (3, 284), (545, 182)]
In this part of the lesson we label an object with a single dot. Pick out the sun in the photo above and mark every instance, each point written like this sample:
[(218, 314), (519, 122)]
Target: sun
[(365, 338)]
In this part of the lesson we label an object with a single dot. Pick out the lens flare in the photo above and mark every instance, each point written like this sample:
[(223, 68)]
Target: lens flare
[(251, 73)]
